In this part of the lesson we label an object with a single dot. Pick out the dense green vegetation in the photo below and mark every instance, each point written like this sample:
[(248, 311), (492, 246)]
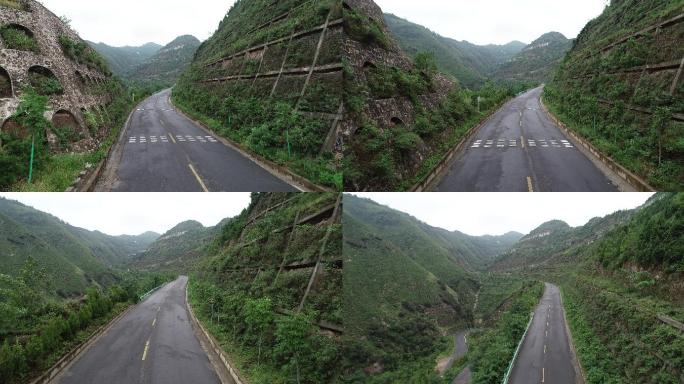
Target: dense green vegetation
[(537, 61), (492, 348), (57, 171), (250, 289), (469, 63), (618, 274), (37, 328), (406, 285), (15, 149), (595, 92), (17, 38), (282, 123), (45, 83), (80, 52), (166, 65)]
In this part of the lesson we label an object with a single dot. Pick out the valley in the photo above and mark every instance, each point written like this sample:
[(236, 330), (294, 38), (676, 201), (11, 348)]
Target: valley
[(550, 306)]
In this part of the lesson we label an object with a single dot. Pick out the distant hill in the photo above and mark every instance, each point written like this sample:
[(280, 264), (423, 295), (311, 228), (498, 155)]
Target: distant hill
[(124, 60), (469, 63), (536, 61), (73, 258), (166, 65), (178, 248)]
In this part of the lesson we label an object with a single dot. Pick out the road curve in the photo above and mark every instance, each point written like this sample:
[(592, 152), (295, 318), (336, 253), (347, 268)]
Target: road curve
[(545, 355), (164, 151), (521, 150), (152, 344)]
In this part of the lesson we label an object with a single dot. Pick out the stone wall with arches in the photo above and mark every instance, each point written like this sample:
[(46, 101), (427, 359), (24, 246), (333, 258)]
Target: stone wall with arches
[(78, 81)]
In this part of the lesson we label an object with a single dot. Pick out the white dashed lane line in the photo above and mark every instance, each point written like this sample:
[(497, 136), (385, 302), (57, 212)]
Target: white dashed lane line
[(164, 139), (513, 143)]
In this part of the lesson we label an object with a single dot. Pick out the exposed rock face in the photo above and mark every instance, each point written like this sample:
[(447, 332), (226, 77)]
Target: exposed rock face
[(78, 82)]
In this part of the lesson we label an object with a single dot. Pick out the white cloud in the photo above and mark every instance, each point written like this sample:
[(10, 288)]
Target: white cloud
[(135, 213), (136, 22), (497, 213), (497, 21)]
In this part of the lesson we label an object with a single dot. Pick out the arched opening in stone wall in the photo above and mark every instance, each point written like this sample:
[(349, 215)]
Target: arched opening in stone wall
[(368, 65), (44, 81), (18, 37), (396, 121), (65, 125), (5, 84), (14, 129)]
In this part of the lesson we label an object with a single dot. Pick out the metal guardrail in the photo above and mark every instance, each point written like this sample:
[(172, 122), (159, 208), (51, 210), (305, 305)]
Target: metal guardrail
[(517, 350), (146, 295)]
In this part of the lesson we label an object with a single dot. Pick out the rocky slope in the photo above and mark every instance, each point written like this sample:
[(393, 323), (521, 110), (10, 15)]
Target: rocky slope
[(537, 61)]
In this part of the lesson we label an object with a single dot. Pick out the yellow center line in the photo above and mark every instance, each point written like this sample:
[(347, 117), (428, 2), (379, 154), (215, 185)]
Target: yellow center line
[(147, 346), (529, 184), (199, 180)]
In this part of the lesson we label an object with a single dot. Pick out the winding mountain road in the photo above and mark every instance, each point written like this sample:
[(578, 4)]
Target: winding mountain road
[(161, 150), (545, 355), (521, 150), (152, 344)]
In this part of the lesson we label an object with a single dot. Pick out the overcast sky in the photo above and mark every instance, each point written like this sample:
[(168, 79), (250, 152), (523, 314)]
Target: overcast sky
[(134, 213), (497, 21), (497, 213), (136, 22)]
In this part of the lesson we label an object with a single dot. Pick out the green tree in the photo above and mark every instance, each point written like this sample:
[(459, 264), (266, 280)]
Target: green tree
[(259, 318)]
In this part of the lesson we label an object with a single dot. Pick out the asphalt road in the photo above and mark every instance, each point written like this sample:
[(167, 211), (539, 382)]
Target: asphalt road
[(545, 355), (521, 150), (164, 151), (153, 344)]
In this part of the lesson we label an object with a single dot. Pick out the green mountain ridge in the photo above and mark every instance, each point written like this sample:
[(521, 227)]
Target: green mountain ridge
[(74, 258), (537, 61), (469, 63), (166, 65), (123, 60)]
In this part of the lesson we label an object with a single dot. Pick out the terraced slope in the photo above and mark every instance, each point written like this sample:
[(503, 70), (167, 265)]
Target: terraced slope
[(270, 78), (536, 62), (621, 87), (274, 278)]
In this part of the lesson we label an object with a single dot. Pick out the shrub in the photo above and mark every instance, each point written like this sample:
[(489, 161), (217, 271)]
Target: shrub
[(17, 38)]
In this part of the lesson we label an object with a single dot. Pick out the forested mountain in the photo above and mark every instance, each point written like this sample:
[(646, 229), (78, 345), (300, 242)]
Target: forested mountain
[(179, 248), (407, 284), (621, 277), (73, 258), (537, 61), (167, 63), (124, 60), (471, 64), (619, 87)]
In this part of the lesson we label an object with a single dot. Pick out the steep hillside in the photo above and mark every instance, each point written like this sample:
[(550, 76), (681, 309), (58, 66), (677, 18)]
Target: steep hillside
[(273, 276), (271, 79), (621, 87), (57, 95), (177, 249), (621, 278), (73, 258), (406, 285), (470, 64), (166, 65), (402, 114), (124, 60), (537, 61)]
